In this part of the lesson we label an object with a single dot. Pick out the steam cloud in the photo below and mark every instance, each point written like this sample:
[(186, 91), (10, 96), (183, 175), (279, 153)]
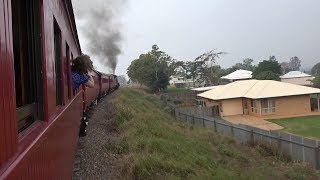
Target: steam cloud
[(100, 24)]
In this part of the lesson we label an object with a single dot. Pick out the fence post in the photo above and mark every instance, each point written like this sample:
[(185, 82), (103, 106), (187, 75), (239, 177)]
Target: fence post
[(193, 121), (179, 115), (232, 133), (279, 143), (203, 124), (251, 137), (215, 126), (317, 149)]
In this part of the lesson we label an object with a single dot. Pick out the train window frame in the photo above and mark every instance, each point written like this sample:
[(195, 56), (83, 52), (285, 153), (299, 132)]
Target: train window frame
[(58, 69), (68, 71), (26, 28)]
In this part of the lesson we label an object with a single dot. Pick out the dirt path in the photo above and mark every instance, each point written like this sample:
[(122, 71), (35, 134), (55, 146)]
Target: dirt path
[(94, 160), (253, 121)]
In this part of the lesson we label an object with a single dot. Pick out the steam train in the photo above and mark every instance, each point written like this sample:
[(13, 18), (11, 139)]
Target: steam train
[(40, 115)]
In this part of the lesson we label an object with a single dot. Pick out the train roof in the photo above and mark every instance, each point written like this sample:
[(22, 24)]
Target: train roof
[(73, 22)]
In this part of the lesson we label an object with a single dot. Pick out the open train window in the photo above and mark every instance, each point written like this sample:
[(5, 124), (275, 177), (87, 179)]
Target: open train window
[(67, 71), (58, 63), (27, 61)]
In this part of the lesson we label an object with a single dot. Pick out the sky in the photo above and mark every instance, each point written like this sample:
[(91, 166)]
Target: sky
[(185, 29)]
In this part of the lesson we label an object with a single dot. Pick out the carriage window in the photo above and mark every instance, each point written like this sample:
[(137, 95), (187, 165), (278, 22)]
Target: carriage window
[(67, 71), (26, 49), (58, 72)]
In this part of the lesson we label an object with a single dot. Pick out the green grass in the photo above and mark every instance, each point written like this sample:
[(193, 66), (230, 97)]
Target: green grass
[(158, 147), (305, 126), (176, 90)]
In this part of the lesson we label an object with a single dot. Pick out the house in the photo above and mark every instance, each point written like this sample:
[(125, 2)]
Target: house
[(179, 81), (263, 99), (297, 77), (238, 75), (176, 80), (203, 89), (200, 101)]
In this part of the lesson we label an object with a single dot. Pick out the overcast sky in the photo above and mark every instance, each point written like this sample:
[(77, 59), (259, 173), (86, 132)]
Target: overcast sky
[(184, 29)]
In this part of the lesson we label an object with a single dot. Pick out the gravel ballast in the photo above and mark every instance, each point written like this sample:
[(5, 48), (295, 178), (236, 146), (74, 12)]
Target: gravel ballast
[(94, 160)]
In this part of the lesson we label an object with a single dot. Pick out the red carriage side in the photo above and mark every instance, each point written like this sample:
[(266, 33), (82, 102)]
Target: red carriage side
[(40, 117)]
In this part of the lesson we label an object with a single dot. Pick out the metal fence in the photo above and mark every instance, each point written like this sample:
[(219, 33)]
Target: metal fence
[(296, 147)]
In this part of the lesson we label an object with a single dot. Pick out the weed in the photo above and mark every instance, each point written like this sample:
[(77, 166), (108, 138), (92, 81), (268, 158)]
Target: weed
[(298, 172), (125, 114)]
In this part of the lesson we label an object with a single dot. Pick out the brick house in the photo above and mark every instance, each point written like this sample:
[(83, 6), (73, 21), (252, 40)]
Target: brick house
[(263, 98), (297, 77)]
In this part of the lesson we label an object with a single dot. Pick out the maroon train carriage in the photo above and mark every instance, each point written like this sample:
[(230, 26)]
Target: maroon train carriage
[(40, 115), (105, 84), (90, 98), (91, 94)]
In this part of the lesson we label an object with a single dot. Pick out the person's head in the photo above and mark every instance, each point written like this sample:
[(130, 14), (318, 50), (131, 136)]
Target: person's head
[(82, 64)]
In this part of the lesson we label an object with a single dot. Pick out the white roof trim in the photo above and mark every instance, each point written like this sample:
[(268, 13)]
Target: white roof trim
[(239, 74), (294, 74)]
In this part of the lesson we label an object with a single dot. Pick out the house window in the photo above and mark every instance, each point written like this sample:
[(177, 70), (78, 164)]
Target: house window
[(27, 58), (315, 102), (200, 103), (58, 63), (245, 104), (268, 106), (254, 107)]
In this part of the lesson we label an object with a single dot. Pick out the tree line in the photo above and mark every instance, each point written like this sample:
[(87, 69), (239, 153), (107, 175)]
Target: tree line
[(154, 69)]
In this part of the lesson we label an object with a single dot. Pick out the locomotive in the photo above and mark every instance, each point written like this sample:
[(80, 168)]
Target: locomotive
[(41, 117)]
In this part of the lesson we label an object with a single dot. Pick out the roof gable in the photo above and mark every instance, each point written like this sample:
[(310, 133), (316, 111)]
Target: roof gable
[(238, 74)]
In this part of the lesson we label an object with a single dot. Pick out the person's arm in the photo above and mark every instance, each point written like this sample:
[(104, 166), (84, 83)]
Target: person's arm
[(90, 82)]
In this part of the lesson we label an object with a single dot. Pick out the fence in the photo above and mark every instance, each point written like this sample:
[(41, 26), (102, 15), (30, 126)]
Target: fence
[(297, 147)]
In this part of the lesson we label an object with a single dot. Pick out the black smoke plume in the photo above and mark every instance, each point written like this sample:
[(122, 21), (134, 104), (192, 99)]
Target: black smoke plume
[(99, 22)]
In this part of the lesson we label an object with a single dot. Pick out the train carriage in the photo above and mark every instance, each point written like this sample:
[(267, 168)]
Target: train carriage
[(40, 114), (91, 94), (105, 84)]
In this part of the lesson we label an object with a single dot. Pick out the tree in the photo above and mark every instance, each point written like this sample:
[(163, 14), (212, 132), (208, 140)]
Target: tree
[(245, 65), (285, 67), (152, 69), (316, 82), (268, 70), (295, 63), (316, 70), (205, 66)]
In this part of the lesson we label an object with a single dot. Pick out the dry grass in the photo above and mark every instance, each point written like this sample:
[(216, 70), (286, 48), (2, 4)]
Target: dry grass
[(156, 146)]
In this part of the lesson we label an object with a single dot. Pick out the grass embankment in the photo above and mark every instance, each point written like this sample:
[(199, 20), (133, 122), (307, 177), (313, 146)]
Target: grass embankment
[(159, 147), (305, 126)]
